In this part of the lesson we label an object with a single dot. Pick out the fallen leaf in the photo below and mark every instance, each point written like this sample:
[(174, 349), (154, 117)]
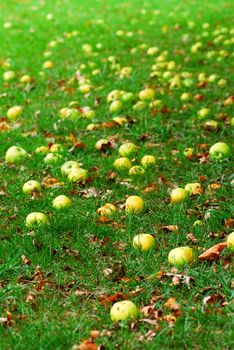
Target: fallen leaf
[(213, 252), (30, 297), (25, 260)]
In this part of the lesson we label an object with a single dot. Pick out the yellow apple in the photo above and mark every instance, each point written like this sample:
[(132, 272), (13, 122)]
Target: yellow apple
[(78, 174), (68, 166), (146, 94), (230, 241), (122, 163), (181, 256), (15, 154), (136, 170), (128, 150), (14, 112), (134, 204), (61, 202), (31, 186), (144, 242), (148, 161), (107, 209), (179, 195), (36, 219)]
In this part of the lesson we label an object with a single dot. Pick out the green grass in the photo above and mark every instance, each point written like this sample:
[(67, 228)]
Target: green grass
[(71, 253)]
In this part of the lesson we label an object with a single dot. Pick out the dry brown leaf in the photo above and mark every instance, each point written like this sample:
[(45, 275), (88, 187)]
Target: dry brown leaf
[(87, 344), (172, 305), (25, 260), (108, 299), (51, 182), (30, 297), (213, 252), (229, 222)]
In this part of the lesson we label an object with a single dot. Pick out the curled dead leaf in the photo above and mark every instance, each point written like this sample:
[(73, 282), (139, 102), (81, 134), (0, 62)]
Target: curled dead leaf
[(213, 252)]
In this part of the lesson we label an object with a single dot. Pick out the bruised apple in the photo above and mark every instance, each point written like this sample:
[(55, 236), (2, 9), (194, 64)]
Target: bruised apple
[(107, 210), (31, 186), (124, 310), (219, 150)]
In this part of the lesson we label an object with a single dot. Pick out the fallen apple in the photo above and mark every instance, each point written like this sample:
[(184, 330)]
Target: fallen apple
[(146, 95), (9, 75), (102, 144), (134, 204), (148, 161), (179, 195), (188, 152), (194, 188), (122, 163), (128, 150), (14, 112), (31, 186), (144, 242), (124, 310), (107, 210), (181, 256), (115, 106), (136, 170), (36, 219), (68, 166), (78, 174), (61, 202), (42, 149), (230, 241), (52, 158), (56, 148), (15, 154), (219, 150)]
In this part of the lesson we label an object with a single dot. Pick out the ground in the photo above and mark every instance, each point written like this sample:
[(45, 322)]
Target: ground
[(58, 281)]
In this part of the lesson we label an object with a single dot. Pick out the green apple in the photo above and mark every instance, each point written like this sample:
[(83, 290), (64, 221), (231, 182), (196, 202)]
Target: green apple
[(107, 210), (114, 95), (146, 95), (219, 150), (31, 186), (128, 150), (115, 106), (61, 202), (78, 174), (52, 158), (15, 154), (68, 166), (36, 219), (25, 79), (134, 204), (144, 242), (179, 195), (124, 310), (203, 113), (14, 112), (129, 96), (148, 161), (122, 163), (230, 241), (136, 170), (139, 106), (197, 223), (181, 256)]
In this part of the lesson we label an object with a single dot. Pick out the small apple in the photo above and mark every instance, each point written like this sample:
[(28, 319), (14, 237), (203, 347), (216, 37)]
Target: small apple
[(61, 202), (31, 186), (134, 204), (146, 95), (139, 106), (115, 106), (194, 188), (185, 96), (219, 150), (52, 158), (197, 223), (114, 95), (128, 150), (42, 149), (78, 174), (211, 125), (123, 310), (85, 88), (107, 210), (230, 241), (48, 65), (9, 75), (144, 242), (203, 113), (136, 170), (15, 154), (129, 96), (181, 256), (56, 148), (25, 79), (68, 166), (36, 219), (122, 163), (102, 144), (120, 120), (188, 152), (179, 195), (14, 112), (148, 161)]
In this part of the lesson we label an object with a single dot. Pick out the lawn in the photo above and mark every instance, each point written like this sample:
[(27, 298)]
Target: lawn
[(157, 74)]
